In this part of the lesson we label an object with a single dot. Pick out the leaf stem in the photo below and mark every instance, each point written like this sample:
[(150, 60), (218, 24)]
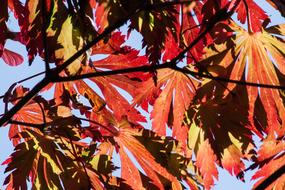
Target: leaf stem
[(249, 29)]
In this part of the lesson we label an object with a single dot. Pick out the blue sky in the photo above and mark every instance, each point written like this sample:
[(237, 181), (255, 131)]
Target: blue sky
[(12, 74)]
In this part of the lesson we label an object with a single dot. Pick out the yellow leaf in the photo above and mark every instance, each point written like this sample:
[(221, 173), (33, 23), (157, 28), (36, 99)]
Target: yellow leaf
[(64, 111), (66, 39)]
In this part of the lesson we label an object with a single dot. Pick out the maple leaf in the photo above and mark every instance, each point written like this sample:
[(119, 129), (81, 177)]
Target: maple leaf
[(163, 18), (230, 139), (174, 98), (33, 35), (128, 141), (109, 84), (39, 158), (259, 52)]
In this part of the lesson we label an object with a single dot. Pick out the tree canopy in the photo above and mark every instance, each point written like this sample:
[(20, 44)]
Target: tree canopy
[(210, 74)]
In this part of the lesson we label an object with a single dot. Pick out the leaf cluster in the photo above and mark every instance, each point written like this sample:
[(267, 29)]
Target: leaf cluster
[(208, 84)]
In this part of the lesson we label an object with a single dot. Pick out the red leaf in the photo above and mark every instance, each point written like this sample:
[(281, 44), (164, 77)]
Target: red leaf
[(11, 58), (101, 17), (175, 97), (122, 60), (119, 105), (249, 10), (112, 45), (190, 32)]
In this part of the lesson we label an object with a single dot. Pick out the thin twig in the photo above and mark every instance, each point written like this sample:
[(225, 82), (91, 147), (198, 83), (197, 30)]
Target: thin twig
[(44, 36), (94, 122), (147, 68), (23, 80), (261, 85), (31, 77), (34, 125), (42, 110), (78, 160)]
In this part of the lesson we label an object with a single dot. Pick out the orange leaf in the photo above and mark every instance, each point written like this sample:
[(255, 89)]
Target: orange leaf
[(206, 164)]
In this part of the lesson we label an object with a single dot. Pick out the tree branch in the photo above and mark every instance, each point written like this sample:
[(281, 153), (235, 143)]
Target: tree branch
[(100, 125), (147, 68), (44, 35), (9, 114), (23, 80), (221, 15), (55, 72), (275, 175), (34, 125), (41, 126), (172, 64), (53, 76)]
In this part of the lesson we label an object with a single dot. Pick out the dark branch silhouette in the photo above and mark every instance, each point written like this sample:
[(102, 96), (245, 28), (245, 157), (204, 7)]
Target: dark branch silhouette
[(44, 35), (52, 75), (269, 180)]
